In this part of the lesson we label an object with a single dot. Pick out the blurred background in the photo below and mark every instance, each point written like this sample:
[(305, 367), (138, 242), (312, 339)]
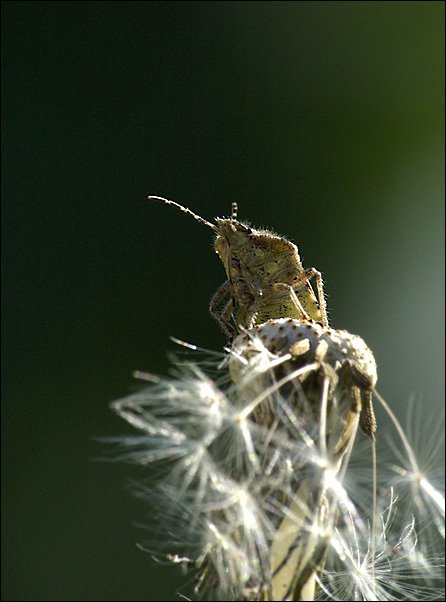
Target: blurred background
[(324, 120)]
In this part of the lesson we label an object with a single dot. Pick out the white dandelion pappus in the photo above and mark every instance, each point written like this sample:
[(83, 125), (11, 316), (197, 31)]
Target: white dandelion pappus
[(252, 466)]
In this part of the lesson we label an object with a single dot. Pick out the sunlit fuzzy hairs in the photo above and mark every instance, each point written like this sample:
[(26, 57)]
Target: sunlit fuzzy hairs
[(255, 483)]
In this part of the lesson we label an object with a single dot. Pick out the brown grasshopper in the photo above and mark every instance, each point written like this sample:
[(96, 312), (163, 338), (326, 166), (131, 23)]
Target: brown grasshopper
[(266, 279)]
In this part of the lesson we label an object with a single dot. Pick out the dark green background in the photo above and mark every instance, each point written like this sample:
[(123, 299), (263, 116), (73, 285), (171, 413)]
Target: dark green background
[(324, 120)]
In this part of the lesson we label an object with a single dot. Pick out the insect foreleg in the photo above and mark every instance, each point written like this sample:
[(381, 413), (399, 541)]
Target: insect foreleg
[(251, 311), (223, 317)]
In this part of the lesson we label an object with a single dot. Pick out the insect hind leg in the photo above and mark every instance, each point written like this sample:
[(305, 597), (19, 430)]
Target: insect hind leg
[(306, 277), (287, 287)]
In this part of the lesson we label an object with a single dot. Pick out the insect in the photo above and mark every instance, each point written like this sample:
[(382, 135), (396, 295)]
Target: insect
[(265, 276)]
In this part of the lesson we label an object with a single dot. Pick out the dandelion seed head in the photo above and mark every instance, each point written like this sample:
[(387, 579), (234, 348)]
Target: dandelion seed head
[(417, 472), (307, 339), (256, 473), (394, 571)]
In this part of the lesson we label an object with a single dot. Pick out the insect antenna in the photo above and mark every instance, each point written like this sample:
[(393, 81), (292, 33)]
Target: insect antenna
[(234, 211), (184, 210)]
